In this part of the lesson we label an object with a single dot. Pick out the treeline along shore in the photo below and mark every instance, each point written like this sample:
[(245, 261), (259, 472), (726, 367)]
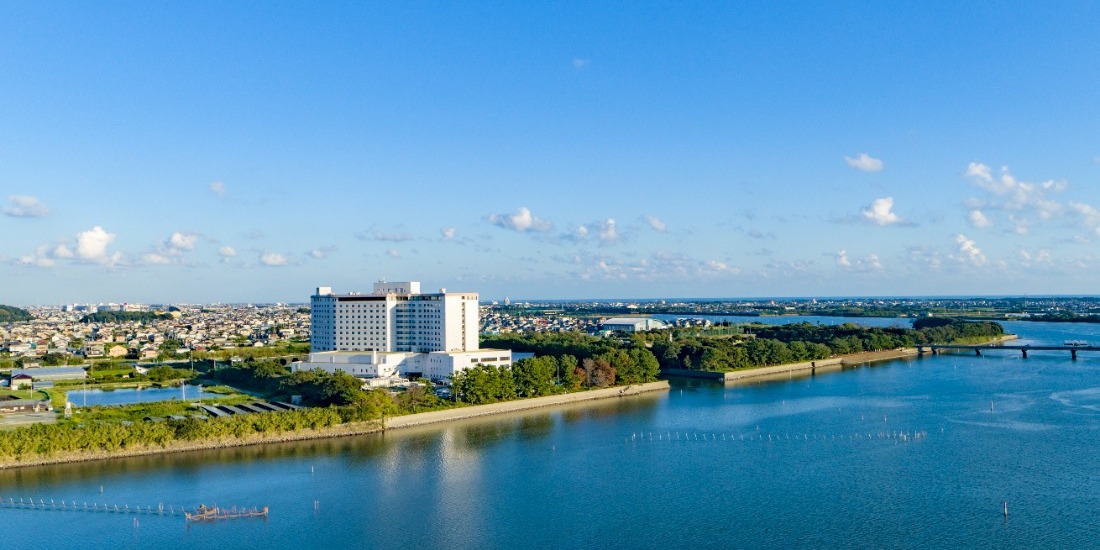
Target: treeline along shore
[(567, 367), (256, 429), (831, 363)]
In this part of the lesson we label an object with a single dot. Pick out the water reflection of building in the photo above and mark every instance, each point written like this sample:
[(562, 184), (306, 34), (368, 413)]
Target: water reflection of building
[(397, 331)]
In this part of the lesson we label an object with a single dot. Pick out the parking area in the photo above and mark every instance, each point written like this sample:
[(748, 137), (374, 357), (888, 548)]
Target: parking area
[(12, 421)]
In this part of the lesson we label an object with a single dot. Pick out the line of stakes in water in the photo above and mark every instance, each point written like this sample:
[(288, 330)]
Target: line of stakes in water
[(893, 435)]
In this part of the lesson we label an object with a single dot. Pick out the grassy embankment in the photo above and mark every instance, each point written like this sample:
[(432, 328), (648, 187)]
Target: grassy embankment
[(69, 442)]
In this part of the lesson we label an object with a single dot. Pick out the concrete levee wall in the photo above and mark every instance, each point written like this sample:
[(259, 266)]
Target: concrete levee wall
[(419, 419)]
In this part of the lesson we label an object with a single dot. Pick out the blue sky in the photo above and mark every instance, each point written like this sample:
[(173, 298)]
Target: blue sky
[(233, 152)]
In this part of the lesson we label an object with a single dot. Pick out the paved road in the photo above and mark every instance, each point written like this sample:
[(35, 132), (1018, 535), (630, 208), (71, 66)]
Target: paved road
[(15, 420)]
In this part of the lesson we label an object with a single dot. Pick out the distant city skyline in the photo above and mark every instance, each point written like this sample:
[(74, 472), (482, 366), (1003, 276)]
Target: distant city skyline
[(211, 152)]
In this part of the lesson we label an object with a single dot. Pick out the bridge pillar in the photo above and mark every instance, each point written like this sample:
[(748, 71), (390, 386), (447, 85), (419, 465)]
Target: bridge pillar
[(977, 352), (1024, 351), (1073, 354)]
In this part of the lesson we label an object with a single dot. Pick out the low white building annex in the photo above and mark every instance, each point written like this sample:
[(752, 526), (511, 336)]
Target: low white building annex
[(632, 324)]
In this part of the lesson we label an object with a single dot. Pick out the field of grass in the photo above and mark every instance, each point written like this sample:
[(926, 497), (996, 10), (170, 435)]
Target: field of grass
[(24, 394)]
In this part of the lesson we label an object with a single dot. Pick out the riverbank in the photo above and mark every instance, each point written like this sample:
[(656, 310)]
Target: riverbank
[(420, 419), (350, 429), (812, 366)]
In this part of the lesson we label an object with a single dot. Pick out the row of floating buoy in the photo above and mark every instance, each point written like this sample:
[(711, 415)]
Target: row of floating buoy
[(74, 506), (895, 435)]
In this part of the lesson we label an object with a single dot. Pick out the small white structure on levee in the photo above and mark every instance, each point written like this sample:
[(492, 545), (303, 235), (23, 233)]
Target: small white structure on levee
[(397, 331)]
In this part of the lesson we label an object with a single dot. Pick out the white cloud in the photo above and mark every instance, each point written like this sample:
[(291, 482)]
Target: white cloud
[(1089, 215), (655, 223), (183, 241), (389, 237), (659, 266), (227, 252), (978, 219), (881, 212), (25, 206), (864, 162), (873, 262), (63, 252), (318, 254), (448, 233), (1013, 194), (91, 245), (580, 63), (970, 251), (40, 258), (393, 253), (1020, 226), (523, 220), (273, 259), (1028, 259), (171, 250), (608, 233), (925, 257), (154, 258), (218, 188), (979, 171), (870, 263)]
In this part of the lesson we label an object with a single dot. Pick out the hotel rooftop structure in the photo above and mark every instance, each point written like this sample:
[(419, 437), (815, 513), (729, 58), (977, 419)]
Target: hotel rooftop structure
[(397, 331)]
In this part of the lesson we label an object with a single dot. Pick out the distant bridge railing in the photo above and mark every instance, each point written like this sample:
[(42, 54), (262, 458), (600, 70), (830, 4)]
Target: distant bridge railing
[(935, 349)]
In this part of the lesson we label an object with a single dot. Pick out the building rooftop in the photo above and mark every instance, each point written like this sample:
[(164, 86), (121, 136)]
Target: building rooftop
[(49, 371)]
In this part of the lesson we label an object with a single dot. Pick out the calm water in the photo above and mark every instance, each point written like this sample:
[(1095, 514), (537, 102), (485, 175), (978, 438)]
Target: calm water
[(126, 396), (592, 477)]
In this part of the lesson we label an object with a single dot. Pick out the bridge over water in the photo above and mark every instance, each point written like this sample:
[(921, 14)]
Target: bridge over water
[(935, 349)]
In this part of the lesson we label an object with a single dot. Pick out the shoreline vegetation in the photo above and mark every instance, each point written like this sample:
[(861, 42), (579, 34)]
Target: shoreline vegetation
[(832, 363), (335, 403), (567, 367), (344, 429)]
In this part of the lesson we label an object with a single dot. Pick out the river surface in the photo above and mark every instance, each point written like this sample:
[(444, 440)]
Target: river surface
[(908, 454)]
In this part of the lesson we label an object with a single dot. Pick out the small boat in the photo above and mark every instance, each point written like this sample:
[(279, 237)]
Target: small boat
[(213, 513), (1075, 343)]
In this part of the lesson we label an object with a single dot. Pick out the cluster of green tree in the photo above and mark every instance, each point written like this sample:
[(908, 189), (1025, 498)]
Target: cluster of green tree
[(106, 372), (780, 344), (547, 375), (52, 360), (555, 344), (262, 377), (123, 317), (11, 314), (51, 439), (1064, 317), (316, 387), (289, 348), (938, 330), (864, 310), (164, 373)]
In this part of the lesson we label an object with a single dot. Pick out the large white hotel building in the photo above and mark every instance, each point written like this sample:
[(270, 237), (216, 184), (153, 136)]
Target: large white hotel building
[(397, 331)]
